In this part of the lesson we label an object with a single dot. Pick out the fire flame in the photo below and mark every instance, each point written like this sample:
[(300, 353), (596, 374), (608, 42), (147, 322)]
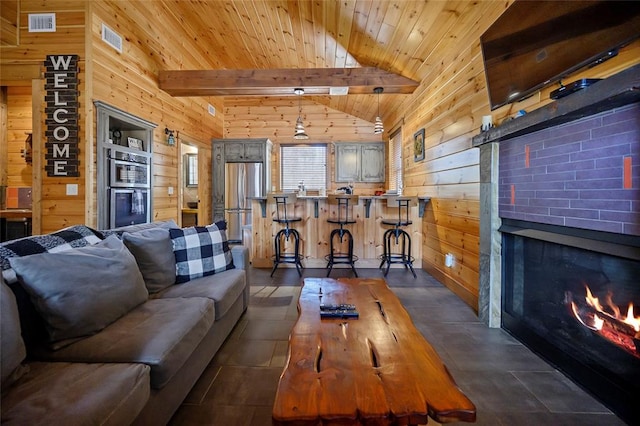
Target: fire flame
[(606, 319), (614, 310)]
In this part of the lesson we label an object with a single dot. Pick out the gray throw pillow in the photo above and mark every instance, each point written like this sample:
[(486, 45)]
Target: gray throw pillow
[(153, 251), (13, 349), (80, 291)]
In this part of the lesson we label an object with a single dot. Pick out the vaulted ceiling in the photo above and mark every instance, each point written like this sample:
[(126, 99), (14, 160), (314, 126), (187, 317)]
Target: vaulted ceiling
[(396, 36)]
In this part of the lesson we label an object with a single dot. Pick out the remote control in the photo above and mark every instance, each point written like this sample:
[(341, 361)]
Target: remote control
[(339, 313), (344, 307)]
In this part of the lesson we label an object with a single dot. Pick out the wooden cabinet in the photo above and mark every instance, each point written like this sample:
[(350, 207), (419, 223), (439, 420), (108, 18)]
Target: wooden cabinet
[(243, 151), (360, 162), (236, 151)]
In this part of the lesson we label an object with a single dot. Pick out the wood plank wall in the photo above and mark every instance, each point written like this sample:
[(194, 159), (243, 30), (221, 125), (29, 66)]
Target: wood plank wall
[(275, 118), (449, 105), (58, 210), (128, 80), (18, 171)]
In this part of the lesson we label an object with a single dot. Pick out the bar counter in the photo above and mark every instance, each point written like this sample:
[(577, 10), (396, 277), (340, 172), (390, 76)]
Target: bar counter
[(315, 230)]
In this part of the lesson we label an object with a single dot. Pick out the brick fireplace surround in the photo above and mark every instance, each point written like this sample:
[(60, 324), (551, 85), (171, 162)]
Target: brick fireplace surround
[(574, 162)]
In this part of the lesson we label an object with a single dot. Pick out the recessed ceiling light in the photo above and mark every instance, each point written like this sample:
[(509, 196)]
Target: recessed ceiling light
[(339, 91)]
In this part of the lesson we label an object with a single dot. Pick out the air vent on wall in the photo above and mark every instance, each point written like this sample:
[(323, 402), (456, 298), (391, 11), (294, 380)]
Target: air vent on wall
[(112, 38), (42, 22)]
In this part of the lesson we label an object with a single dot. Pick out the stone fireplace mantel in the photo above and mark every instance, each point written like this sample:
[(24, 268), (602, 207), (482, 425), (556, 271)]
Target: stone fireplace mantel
[(613, 92)]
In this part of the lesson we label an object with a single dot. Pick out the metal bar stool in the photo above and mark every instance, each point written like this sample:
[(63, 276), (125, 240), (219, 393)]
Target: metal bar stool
[(282, 237), (342, 219), (397, 237)]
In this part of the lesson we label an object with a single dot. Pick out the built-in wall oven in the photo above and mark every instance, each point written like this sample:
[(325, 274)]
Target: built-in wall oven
[(129, 187)]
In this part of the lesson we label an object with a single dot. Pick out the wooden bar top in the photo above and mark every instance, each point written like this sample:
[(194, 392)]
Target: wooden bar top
[(377, 369)]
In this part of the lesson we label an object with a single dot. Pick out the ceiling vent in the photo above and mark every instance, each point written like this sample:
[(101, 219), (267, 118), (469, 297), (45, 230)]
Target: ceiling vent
[(112, 38), (42, 22)]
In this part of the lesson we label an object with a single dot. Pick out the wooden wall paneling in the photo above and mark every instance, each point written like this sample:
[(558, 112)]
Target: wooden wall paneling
[(129, 81), (37, 111), (205, 210), (4, 144), (23, 63), (444, 107), (9, 16), (19, 123)]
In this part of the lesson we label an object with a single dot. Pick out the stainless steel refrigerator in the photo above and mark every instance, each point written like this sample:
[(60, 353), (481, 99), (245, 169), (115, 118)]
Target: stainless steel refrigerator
[(243, 181)]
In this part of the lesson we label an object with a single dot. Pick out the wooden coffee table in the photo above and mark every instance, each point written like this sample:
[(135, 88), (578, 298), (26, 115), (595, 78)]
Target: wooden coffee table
[(377, 369)]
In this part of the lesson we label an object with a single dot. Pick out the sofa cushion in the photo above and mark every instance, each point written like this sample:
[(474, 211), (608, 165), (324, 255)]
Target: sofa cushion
[(79, 292), (77, 394), (65, 239), (161, 333), (201, 251), (165, 224), (224, 289), (153, 251), (12, 348)]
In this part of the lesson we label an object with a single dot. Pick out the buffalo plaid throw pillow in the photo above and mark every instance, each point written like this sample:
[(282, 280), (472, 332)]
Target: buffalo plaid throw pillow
[(201, 251), (65, 239)]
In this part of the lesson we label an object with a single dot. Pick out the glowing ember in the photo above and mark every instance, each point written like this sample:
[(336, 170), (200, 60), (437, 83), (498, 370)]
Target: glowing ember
[(607, 320)]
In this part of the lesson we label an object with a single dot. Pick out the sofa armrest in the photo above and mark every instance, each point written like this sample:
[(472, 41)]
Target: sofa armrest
[(241, 261), (240, 257)]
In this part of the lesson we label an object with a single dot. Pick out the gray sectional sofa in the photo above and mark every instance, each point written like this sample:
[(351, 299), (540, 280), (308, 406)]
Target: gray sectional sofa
[(114, 327)]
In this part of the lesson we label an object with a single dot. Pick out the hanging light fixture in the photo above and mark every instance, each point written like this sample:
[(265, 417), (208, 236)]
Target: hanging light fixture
[(377, 125), (299, 132)]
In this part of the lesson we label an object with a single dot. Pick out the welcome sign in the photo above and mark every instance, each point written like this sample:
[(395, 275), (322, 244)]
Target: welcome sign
[(61, 97)]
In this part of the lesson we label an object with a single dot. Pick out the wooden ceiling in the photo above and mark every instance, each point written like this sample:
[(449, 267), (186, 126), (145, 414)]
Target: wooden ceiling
[(396, 36)]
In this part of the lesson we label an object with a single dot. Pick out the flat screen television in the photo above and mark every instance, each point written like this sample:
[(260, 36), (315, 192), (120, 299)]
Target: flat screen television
[(537, 43)]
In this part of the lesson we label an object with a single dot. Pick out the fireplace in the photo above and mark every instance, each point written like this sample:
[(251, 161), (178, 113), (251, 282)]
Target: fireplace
[(573, 296), (560, 235)]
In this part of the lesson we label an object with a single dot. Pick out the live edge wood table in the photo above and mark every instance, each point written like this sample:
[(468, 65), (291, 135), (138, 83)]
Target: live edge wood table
[(377, 369)]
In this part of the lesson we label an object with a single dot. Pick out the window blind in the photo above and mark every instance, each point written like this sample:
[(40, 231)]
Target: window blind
[(306, 163)]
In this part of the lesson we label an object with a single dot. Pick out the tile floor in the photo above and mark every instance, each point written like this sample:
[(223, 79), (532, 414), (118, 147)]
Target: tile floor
[(509, 384)]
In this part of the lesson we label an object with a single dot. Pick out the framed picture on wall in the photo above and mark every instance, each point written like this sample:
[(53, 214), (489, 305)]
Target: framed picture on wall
[(418, 145), (135, 143)]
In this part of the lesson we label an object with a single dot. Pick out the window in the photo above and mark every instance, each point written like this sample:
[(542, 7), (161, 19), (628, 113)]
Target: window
[(395, 161), (191, 170), (306, 163)]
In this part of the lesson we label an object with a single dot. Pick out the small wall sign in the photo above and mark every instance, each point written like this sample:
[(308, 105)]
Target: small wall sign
[(61, 97)]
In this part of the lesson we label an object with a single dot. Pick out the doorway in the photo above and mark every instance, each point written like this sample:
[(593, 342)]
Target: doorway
[(189, 187)]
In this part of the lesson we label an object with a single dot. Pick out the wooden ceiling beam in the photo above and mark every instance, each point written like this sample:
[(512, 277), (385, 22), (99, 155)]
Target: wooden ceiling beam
[(281, 82)]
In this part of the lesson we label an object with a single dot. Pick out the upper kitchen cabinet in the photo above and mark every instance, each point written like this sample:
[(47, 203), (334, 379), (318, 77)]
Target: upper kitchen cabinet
[(360, 162), (243, 151)]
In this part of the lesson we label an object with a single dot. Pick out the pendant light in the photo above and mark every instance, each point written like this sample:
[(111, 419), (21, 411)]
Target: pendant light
[(377, 125), (299, 131)]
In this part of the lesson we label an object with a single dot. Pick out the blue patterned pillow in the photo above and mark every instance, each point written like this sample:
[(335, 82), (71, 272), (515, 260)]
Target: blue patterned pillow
[(201, 251)]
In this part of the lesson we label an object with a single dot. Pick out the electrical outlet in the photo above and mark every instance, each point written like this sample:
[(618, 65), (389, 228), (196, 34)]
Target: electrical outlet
[(72, 189), (170, 190)]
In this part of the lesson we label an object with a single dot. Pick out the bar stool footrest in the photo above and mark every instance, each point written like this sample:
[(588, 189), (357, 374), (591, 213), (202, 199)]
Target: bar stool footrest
[(341, 258)]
